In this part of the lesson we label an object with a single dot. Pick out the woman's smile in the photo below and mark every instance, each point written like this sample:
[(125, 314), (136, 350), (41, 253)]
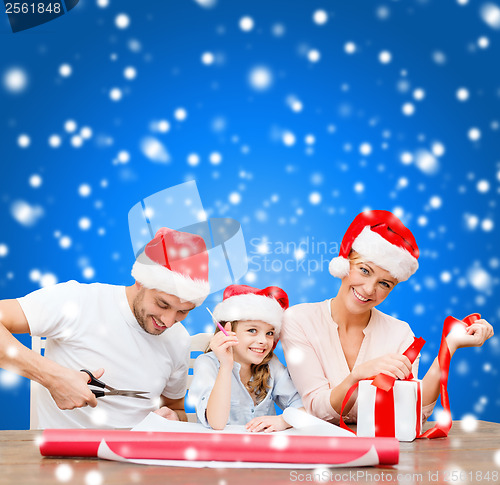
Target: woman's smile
[(359, 296)]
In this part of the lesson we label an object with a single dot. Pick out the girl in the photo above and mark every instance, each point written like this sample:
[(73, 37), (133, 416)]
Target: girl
[(239, 379), (345, 339)]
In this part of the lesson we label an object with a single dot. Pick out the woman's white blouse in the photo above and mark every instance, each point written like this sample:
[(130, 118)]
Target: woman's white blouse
[(316, 360)]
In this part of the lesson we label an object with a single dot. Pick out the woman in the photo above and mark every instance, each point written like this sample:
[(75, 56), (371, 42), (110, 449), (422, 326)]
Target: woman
[(331, 345)]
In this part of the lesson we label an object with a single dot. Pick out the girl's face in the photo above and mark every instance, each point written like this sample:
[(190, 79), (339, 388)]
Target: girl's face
[(255, 341), (366, 286)]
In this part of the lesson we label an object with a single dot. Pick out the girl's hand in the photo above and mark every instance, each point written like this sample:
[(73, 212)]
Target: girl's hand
[(393, 365), (267, 424), (222, 346), (473, 336)]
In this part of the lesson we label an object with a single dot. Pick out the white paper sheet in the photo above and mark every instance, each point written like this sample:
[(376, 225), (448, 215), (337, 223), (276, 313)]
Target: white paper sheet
[(303, 424), (154, 422), (308, 424)]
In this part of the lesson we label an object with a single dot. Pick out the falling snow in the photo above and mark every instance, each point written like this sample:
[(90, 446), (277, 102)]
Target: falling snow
[(291, 124), (15, 80), (260, 78), (246, 24), (64, 473), (122, 21), (154, 150)]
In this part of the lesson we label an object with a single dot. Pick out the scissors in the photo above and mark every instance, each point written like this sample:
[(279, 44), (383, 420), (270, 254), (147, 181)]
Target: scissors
[(112, 391)]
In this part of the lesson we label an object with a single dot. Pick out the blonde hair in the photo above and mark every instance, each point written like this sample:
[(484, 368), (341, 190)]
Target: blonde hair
[(258, 384), (355, 257)]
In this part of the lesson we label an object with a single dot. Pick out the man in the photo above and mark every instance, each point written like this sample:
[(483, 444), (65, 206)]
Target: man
[(129, 334)]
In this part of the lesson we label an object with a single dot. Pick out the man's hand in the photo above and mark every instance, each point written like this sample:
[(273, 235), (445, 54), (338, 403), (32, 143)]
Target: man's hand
[(167, 413), (69, 389)]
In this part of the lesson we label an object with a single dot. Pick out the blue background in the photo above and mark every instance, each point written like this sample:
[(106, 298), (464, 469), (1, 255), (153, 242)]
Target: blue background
[(349, 147)]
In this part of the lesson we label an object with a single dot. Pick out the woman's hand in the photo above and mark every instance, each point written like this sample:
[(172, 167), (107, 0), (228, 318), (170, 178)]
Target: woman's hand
[(393, 365), (267, 424), (222, 346), (473, 336)]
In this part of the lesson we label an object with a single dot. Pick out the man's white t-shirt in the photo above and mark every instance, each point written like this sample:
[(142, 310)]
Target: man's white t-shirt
[(89, 326)]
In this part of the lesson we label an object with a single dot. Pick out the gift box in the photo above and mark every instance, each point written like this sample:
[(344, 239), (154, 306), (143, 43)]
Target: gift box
[(396, 412), (388, 407)]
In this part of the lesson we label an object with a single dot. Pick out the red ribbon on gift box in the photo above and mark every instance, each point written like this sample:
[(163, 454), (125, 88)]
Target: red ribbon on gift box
[(384, 400)]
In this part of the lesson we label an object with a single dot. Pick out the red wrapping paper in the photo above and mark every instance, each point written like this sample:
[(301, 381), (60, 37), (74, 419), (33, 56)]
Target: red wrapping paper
[(268, 448)]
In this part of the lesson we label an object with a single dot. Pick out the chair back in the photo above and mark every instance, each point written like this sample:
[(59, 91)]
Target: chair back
[(38, 346), (199, 343)]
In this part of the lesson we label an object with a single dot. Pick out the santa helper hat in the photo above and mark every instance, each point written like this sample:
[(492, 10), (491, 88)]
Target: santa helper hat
[(380, 237), (176, 263), (241, 302)]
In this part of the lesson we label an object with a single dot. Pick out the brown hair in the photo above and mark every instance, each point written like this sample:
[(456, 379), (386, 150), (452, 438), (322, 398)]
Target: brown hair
[(258, 385)]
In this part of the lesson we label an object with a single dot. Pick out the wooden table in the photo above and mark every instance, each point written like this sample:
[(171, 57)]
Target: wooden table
[(463, 457)]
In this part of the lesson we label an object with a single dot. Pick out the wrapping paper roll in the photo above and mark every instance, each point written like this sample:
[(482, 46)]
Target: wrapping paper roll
[(269, 448)]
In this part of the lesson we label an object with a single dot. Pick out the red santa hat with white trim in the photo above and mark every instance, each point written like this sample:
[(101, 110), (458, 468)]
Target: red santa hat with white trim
[(242, 302), (175, 262), (380, 237)]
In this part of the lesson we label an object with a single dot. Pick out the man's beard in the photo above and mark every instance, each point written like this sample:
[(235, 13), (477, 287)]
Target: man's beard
[(139, 315)]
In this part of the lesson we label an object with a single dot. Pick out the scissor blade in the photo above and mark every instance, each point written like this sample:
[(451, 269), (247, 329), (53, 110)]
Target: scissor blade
[(128, 394)]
